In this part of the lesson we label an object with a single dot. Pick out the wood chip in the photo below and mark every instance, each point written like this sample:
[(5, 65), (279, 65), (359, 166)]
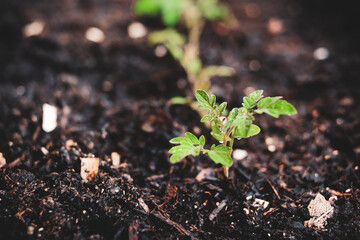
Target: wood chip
[(143, 205), (204, 174), (320, 210), (115, 158), (133, 232), (89, 168), (2, 160), (70, 143)]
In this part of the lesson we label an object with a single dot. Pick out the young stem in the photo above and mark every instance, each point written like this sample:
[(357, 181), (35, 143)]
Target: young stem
[(231, 144)]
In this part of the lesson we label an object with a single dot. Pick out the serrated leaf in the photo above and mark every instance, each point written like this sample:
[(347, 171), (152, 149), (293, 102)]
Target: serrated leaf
[(266, 102), (192, 138), (222, 107), (243, 123), (221, 154), (177, 157), (182, 151), (276, 107), (179, 140), (247, 103), (202, 141), (254, 130), (256, 95), (208, 118), (181, 148), (233, 114), (212, 100), (203, 99), (251, 101), (216, 133)]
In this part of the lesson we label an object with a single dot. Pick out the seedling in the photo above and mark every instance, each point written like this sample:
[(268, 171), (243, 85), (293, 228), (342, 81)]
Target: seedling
[(185, 50), (226, 127)]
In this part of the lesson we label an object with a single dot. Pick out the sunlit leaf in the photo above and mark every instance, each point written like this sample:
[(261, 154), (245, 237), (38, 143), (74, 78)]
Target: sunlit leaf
[(216, 133), (253, 130), (178, 140), (192, 138), (275, 107), (147, 7), (221, 154), (202, 141), (203, 99)]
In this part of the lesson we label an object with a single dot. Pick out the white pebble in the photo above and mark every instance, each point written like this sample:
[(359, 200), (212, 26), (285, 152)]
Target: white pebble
[(137, 30), (33, 29), (239, 154), (49, 118), (95, 35), (321, 53)]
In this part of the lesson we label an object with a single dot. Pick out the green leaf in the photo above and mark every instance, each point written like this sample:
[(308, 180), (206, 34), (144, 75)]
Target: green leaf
[(208, 118), (182, 151), (193, 65), (266, 102), (166, 37), (212, 10), (216, 133), (203, 99), (233, 114), (179, 100), (222, 107), (253, 130), (251, 101), (243, 123), (212, 100), (221, 154), (147, 7), (275, 107), (221, 71), (192, 138), (246, 103), (182, 148), (256, 95), (202, 141), (171, 11), (179, 140)]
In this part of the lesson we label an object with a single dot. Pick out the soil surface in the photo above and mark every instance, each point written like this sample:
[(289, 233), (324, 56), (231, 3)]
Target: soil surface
[(113, 97)]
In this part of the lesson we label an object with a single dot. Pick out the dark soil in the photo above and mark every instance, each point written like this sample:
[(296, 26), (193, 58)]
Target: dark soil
[(112, 97)]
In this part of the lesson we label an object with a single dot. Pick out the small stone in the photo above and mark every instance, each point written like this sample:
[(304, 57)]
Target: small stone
[(137, 30), (239, 154), (94, 34), (33, 29), (297, 225), (49, 118), (30, 230)]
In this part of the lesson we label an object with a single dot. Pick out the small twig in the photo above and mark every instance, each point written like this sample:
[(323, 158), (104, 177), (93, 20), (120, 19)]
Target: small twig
[(324, 214), (174, 224), (274, 189), (216, 211), (143, 205)]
